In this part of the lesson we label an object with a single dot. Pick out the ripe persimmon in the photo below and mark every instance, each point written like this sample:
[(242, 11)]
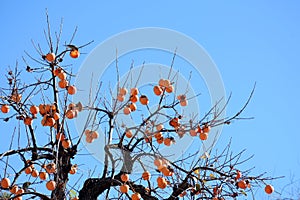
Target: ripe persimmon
[(94, 134), (5, 183), (160, 140), (193, 133), (203, 136), (51, 185), (168, 141), (74, 53), (238, 174), (174, 122), (136, 196), (159, 127), (34, 109), (50, 57), (28, 121), (134, 91), (123, 91), (144, 100), (14, 189), (157, 90), (5, 108), (269, 189), (121, 97), (62, 75), (56, 116), (43, 175), (134, 98), (146, 175), (170, 89), (125, 177), (128, 134), (63, 83), (132, 107), (242, 184), (124, 188), (35, 173), (28, 170), (72, 89), (66, 144), (206, 128), (161, 182)]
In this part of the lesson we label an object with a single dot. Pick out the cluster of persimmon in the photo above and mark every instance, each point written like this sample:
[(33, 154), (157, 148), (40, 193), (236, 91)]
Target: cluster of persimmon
[(90, 135), (124, 188), (63, 82), (201, 131), (73, 110), (6, 184)]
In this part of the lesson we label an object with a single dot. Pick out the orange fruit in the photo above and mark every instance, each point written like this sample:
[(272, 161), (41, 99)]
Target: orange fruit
[(160, 140), (34, 109), (206, 129), (203, 136), (146, 175), (28, 121), (50, 57), (5, 183), (159, 127), (242, 184), (168, 141), (184, 103), (43, 175), (121, 97), (269, 189), (56, 71), (94, 134), (72, 89), (70, 114), (56, 116), (28, 170), (132, 107), (174, 122), (238, 174), (51, 185), (74, 53), (134, 98), (123, 91), (63, 83), (144, 100), (134, 91), (124, 188), (193, 133), (34, 173), (157, 90), (60, 137), (125, 177), (136, 196), (128, 134), (62, 75), (170, 89), (14, 189), (5, 108), (66, 143)]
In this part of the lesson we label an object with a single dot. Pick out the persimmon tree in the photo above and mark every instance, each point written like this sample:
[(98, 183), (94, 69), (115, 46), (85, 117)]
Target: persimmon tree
[(42, 106)]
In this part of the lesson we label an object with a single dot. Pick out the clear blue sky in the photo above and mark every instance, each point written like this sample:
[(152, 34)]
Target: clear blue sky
[(250, 41)]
